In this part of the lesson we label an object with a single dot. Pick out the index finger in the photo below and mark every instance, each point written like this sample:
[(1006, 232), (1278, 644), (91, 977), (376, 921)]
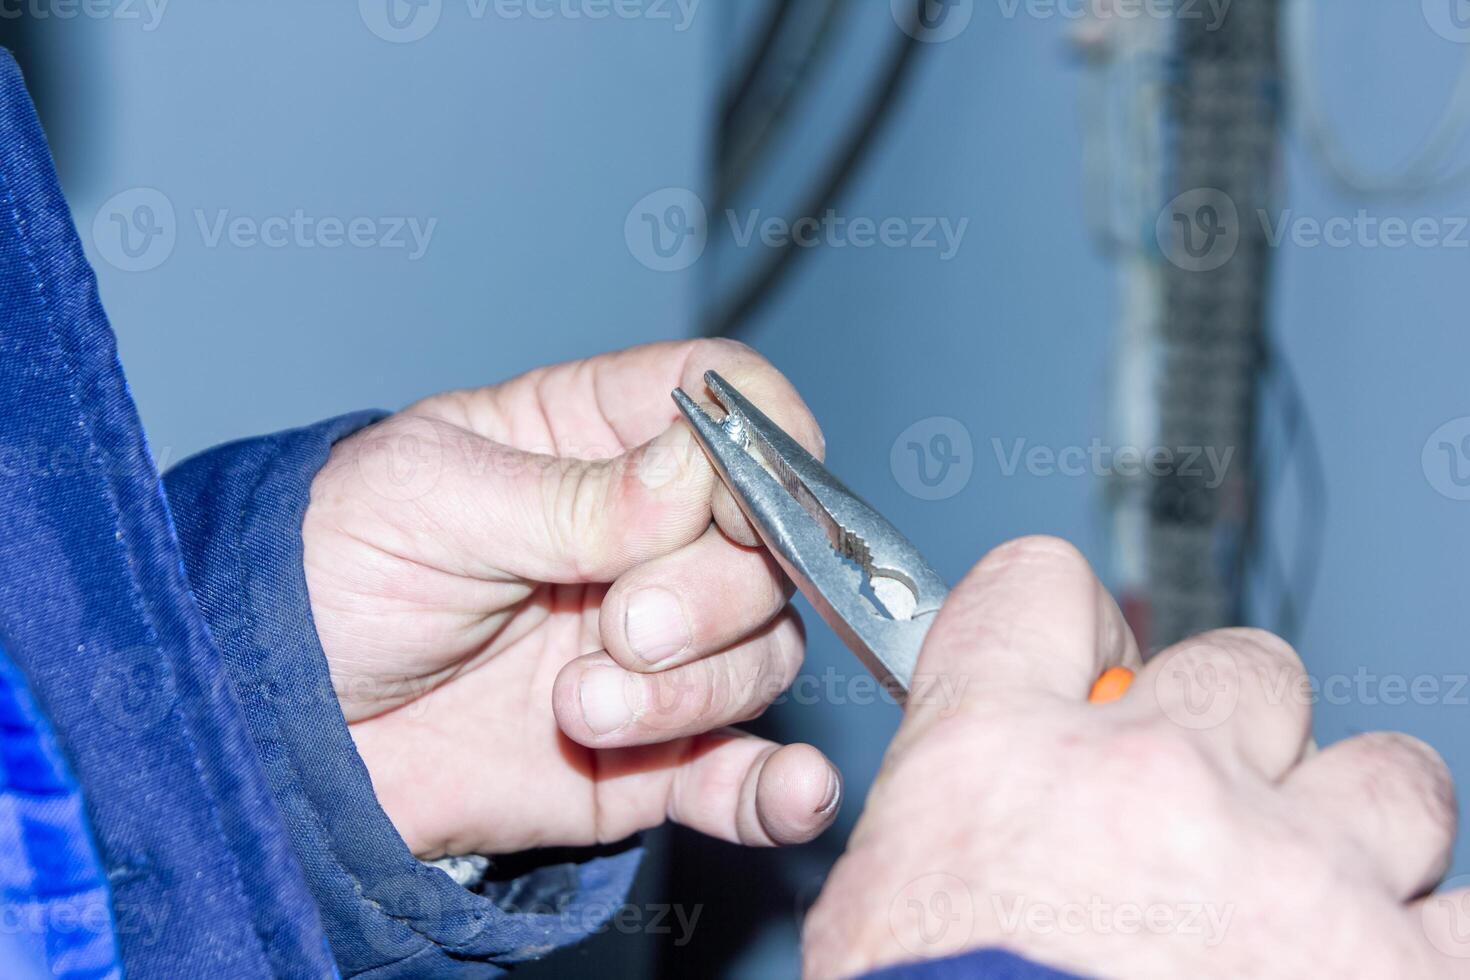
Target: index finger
[(1030, 620), (602, 406)]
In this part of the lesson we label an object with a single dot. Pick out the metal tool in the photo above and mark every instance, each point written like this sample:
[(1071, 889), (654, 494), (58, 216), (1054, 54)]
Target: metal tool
[(865, 579)]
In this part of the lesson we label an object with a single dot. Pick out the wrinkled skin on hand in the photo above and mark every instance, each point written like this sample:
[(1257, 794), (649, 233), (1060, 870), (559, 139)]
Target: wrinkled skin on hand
[(541, 608), (1186, 830)]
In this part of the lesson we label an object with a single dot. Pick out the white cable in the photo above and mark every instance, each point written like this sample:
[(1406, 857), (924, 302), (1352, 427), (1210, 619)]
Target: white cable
[(1420, 174)]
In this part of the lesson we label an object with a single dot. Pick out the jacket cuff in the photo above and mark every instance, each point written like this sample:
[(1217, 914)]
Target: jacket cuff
[(979, 964), (238, 510)]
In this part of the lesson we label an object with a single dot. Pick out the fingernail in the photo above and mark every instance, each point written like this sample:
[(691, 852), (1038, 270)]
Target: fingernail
[(655, 625), (607, 700), (834, 793)]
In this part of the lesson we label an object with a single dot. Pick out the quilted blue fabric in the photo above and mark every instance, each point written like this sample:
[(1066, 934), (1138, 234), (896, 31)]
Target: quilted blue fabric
[(54, 907)]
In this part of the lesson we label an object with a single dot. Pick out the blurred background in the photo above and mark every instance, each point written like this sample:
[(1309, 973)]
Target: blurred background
[(1181, 280)]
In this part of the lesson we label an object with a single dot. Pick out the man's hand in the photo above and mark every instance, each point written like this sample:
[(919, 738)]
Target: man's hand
[(1187, 829), (487, 556)]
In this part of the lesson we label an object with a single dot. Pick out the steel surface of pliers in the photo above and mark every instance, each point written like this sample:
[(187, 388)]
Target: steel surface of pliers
[(865, 579)]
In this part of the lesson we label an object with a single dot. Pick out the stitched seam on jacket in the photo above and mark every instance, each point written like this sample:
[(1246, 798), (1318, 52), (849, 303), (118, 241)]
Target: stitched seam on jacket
[(122, 544), (246, 580)]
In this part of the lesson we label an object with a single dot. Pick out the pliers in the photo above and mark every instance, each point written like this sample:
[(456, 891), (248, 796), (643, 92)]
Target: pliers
[(865, 579), (869, 583)]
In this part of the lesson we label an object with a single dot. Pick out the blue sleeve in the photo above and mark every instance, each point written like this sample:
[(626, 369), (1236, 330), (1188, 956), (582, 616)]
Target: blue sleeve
[(238, 510), (980, 964)]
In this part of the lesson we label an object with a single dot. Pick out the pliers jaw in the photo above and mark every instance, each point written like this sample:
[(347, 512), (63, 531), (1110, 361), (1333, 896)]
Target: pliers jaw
[(863, 577)]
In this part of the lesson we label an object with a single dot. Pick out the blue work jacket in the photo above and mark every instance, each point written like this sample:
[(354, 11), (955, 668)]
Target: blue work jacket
[(181, 797)]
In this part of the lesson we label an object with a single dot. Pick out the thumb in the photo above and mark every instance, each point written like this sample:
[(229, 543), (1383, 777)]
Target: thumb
[(469, 505), (1031, 619)]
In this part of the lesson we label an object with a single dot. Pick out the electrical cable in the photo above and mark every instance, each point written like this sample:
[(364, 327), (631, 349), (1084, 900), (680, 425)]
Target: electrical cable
[(732, 318), (777, 17), (1299, 444), (742, 146)]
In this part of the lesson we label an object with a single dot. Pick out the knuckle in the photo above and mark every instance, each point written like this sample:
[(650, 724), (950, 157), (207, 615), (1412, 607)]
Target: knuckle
[(720, 349), (1262, 667), (577, 506), (1260, 649), (1397, 765), (1161, 763), (788, 642), (1032, 550)]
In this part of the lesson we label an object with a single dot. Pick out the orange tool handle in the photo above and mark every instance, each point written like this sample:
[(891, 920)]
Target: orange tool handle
[(1111, 686)]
